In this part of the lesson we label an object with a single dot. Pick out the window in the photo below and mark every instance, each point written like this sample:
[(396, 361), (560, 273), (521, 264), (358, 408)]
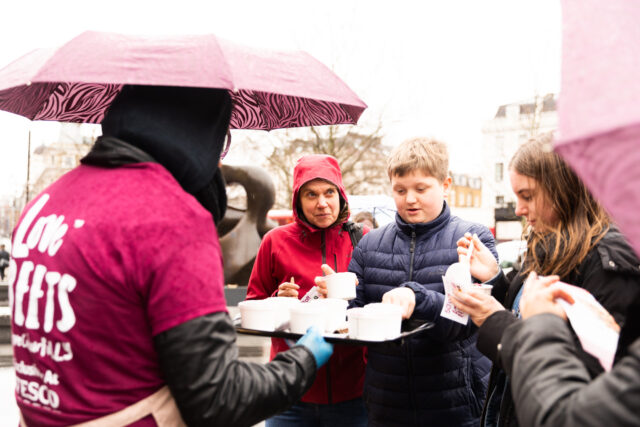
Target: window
[(499, 172)]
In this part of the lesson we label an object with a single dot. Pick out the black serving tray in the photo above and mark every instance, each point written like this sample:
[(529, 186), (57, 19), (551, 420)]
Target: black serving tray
[(409, 329)]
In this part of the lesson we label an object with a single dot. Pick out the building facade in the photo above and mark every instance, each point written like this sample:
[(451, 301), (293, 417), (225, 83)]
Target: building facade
[(512, 126)]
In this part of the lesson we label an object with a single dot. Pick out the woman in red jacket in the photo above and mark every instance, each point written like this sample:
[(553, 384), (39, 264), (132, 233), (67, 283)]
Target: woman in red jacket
[(288, 261)]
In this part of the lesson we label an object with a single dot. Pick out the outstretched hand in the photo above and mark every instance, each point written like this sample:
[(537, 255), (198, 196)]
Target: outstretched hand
[(539, 296), (321, 349), (482, 264)]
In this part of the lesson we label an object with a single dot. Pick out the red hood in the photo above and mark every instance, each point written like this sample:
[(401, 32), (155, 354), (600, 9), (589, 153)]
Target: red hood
[(315, 166)]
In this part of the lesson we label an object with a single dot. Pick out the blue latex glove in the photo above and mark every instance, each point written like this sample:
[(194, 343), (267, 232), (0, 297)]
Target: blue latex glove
[(314, 341)]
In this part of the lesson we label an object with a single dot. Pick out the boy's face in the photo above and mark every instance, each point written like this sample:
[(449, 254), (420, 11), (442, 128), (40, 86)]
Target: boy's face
[(419, 197)]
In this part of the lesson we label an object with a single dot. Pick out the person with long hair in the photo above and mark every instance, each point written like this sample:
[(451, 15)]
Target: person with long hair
[(568, 234)]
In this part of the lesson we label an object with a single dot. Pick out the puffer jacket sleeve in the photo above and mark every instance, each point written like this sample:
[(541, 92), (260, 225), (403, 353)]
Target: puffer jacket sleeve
[(429, 303), (199, 361), (428, 308), (356, 265), (552, 387)]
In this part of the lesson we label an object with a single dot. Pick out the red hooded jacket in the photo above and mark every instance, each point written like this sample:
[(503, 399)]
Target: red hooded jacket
[(297, 250)]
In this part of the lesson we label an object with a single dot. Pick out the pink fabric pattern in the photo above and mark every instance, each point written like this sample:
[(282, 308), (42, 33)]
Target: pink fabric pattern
[(87, 103), (259, 110), (78, 102)]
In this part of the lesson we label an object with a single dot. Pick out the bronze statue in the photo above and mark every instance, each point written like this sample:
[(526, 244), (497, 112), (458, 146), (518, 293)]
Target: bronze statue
[(241, 231)]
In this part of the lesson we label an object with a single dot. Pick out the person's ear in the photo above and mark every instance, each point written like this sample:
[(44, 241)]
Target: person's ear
[(446, 185)]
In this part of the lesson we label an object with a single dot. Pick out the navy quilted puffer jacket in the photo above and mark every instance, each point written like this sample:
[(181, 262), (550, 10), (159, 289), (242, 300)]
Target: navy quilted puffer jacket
[(437, 378)]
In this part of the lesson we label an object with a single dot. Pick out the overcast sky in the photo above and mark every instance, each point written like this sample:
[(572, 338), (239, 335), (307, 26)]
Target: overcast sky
[(435, 68)]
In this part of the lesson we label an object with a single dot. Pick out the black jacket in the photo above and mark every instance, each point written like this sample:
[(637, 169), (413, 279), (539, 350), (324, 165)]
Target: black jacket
[(199, 360), (552, 387), (610, 271)]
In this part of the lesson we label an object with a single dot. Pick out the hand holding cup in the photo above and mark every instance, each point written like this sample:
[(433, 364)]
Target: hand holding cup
[(476, 303), (320, 281), (402, 297)]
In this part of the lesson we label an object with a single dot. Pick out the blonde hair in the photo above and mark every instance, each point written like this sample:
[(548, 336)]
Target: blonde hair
[(427, 155), (582, 222)]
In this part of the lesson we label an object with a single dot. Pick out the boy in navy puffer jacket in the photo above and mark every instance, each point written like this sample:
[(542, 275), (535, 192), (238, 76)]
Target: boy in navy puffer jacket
[(436, 378)]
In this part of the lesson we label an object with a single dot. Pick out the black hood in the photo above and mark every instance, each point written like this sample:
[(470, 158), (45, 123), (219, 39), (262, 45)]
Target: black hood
[(183, 129)]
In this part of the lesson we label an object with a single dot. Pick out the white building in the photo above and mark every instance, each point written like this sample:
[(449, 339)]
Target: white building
[(512, 126)]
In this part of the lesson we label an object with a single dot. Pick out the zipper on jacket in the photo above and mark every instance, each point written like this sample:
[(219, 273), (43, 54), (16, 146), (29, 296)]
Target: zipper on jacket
[(335, 262), (412, 249), (414, 404), (329, 397), (323, 247)]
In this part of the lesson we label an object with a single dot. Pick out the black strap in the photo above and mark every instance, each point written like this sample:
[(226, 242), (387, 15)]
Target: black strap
[(355, 232)]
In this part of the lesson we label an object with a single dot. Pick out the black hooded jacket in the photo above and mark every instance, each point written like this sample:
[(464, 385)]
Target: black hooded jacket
[(184, 130), (610, 271), (552, 387)]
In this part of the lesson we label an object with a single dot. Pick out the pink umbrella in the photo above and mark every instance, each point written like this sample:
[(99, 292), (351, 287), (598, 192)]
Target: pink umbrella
[(270, 89), (599, 104)]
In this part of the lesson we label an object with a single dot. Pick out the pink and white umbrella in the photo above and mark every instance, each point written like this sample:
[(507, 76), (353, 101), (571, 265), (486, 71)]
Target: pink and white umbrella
[(599, 104), (270, 89)]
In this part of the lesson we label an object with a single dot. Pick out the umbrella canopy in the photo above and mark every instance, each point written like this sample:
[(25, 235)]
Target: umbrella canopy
[(270, 89), (383, 208), (599, 104)]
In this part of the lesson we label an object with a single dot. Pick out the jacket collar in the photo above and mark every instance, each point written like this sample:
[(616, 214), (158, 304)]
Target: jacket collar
[(425, 227), (616, 254)]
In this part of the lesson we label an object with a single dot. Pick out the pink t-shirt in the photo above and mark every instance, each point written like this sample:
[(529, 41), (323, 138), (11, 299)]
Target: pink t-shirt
[(103, 260)]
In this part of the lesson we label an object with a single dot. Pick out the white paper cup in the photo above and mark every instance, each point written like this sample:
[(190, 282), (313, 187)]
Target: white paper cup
[(485, 288), (353, 316), (379, 322), (335, 313), (341, 285), (303, 316), (282, 305), (258, 314)]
